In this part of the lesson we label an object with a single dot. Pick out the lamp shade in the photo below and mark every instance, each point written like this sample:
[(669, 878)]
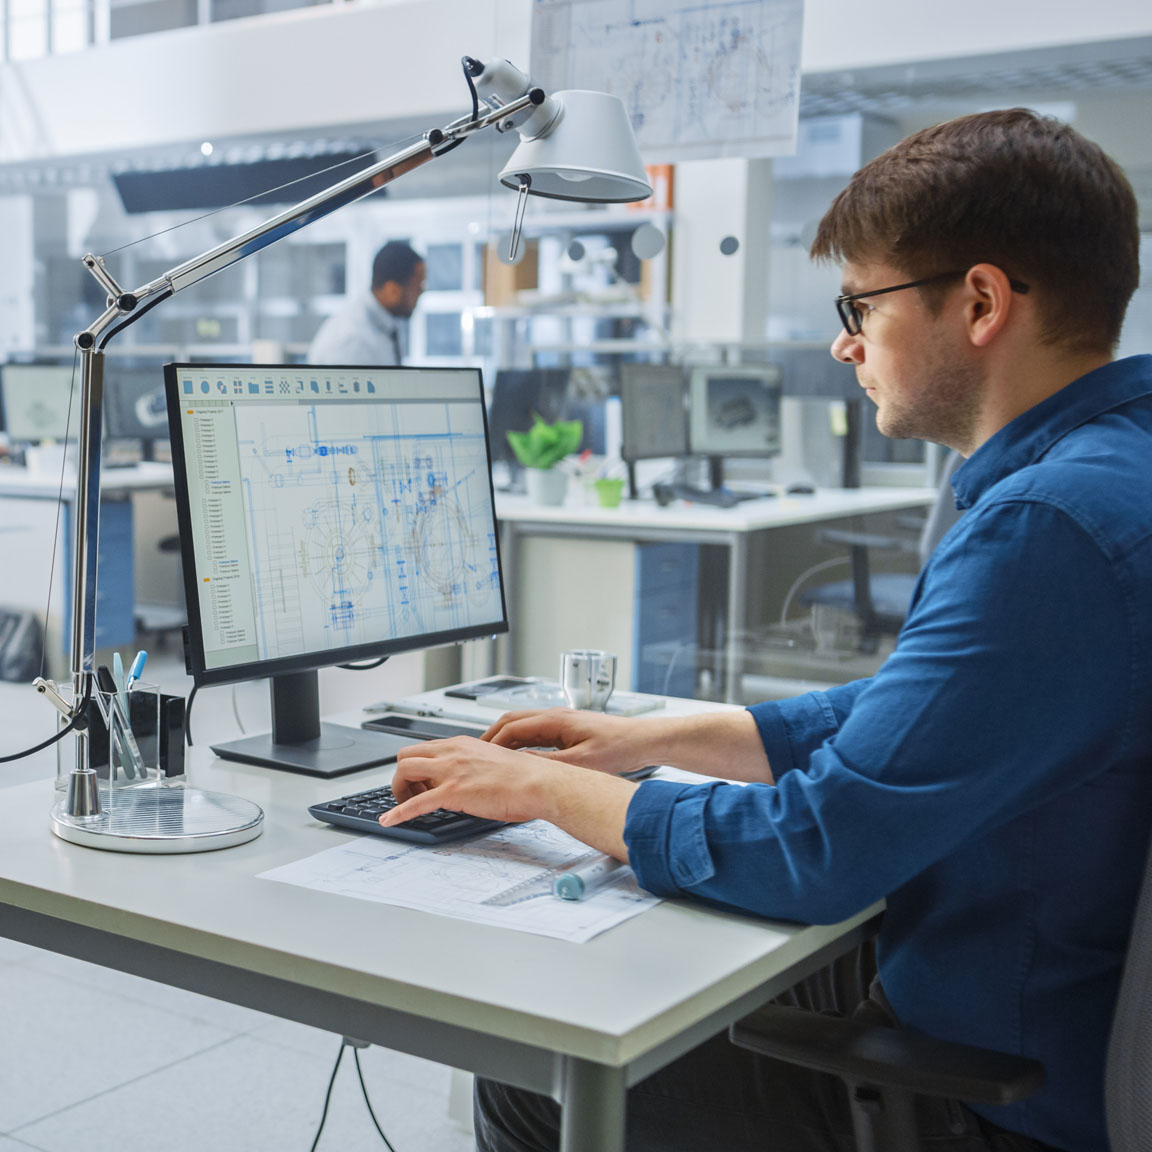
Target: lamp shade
[(588, 154)]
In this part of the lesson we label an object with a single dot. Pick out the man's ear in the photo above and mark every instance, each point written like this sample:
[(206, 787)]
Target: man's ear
[(988, 303)]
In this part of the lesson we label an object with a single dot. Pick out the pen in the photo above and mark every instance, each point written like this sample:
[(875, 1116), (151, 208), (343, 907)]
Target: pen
[(136, 669), (119, 726), (579, 882)]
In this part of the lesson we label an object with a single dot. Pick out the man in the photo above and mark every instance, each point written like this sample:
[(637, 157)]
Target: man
[(994, 779), (372, 328)]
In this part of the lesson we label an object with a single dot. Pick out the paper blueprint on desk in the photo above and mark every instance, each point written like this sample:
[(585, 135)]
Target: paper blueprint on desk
[(504, 879)]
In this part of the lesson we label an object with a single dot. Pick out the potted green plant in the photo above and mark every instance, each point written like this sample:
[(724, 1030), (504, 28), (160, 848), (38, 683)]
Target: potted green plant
[(540, 449)]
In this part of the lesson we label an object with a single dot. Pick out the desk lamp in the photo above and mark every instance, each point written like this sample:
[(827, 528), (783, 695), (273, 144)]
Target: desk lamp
[(574, 146)]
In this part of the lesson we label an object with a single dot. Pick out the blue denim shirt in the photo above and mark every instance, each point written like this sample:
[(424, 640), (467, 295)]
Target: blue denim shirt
[(993, 780)]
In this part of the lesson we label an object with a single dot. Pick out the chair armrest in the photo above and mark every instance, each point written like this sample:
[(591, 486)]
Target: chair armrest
[(863, 1052)]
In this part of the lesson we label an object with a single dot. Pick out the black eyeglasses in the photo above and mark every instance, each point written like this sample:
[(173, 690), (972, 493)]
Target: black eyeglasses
[(853, 319)]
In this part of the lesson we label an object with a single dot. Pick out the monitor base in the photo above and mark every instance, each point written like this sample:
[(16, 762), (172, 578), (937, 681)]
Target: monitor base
[(337, 751)]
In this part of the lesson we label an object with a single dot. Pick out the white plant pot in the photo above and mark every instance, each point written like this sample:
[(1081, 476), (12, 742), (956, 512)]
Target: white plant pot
[(546, 485)]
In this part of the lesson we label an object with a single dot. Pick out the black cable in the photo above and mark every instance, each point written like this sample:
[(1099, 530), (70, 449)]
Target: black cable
[(364, 667), (364, 1089), (188, 715), (132, 317), (79, 718), (328, 1095), (466, 62)]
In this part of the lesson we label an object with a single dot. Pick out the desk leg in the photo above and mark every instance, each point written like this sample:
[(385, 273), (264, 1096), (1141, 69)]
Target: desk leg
[(593, 1106), (737, 617)]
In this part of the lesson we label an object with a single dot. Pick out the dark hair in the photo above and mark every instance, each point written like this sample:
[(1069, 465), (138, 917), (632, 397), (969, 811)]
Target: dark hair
[(395, 262), (1011, 188)]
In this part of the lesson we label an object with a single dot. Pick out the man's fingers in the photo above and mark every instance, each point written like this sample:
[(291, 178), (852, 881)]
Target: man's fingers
[(411, 808)]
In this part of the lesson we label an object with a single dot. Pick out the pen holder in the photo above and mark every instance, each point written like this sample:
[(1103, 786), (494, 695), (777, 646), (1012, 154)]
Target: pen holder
[(126, 737)]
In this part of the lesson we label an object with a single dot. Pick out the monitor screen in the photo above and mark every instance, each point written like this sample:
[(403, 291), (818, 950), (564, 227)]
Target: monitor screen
[(329, 515), (653, 420), (36, 402), (134, 403), (734, 411)]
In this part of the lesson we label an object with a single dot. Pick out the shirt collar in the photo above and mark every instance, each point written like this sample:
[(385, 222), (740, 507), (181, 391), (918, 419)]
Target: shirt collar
[(1024, 440), (379, 316)]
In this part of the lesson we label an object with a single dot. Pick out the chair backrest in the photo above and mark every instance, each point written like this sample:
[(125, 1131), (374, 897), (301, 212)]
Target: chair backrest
[(1128, 1078), (944, 513)]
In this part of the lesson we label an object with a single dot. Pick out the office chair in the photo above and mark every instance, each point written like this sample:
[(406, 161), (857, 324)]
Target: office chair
[(880, 602), (885, 1068)]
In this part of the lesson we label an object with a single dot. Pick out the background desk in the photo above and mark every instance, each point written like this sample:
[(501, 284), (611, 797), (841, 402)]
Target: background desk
[(467, 995), (567, 590), (28, 516)]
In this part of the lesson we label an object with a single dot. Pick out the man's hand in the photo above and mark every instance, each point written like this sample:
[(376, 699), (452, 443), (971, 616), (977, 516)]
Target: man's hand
[(464, 774), (591, 739), (723, 744), (469, 775)]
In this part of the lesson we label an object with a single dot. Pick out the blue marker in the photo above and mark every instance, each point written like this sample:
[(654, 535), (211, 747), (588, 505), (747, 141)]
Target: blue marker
[(578, 883), (136, 669)]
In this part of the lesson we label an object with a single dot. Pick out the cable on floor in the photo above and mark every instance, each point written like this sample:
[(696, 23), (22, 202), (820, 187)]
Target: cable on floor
[(355, 1045)]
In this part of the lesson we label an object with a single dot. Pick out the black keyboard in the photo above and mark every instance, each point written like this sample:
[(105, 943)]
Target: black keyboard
[(361, 812), (718, 497)]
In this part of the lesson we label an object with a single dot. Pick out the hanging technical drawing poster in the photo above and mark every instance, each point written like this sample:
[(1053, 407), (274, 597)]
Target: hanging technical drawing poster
[(699, 79)]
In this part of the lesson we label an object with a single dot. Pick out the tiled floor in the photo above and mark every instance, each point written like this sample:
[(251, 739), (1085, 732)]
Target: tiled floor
[(92, 1060)]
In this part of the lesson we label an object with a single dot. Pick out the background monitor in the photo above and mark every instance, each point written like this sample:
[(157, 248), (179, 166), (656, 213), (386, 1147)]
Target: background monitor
[(329, 515), (135, 407), (516, 395), (36, 399), (734, 411), (653, 420)]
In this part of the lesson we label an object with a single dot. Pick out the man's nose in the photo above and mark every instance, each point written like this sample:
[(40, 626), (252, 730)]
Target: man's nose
[(847, 349)]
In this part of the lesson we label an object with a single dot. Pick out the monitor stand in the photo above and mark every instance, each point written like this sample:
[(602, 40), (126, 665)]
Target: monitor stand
[(715, 473), (299, 742)]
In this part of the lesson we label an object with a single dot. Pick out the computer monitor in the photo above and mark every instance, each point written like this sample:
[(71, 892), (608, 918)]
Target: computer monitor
[(36, 400), (135, 407), (653, 419), (733, 411), (328, 515), (516, 395)]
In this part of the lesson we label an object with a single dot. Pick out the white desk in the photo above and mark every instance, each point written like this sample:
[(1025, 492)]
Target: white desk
[(581, 1022), (146, 476), (731, 528)]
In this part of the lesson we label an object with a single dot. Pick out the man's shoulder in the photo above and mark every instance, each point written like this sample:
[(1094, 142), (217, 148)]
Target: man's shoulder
[(1102, 485)]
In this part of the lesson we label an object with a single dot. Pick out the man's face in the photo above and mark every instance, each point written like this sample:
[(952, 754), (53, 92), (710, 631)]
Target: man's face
[(917, 368), (400, 299)]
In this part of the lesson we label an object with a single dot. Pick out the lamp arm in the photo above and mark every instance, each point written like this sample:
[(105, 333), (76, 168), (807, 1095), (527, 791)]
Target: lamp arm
[(124, 308)]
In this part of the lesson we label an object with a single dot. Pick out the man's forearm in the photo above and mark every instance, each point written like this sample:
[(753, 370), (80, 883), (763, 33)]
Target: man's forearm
[(724, 744), (591, 806)]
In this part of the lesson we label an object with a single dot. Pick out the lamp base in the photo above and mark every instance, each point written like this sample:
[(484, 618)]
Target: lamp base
[(162, 821)]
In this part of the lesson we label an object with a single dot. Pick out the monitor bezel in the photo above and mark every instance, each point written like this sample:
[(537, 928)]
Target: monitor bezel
[(698, 377), (305, 662)]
